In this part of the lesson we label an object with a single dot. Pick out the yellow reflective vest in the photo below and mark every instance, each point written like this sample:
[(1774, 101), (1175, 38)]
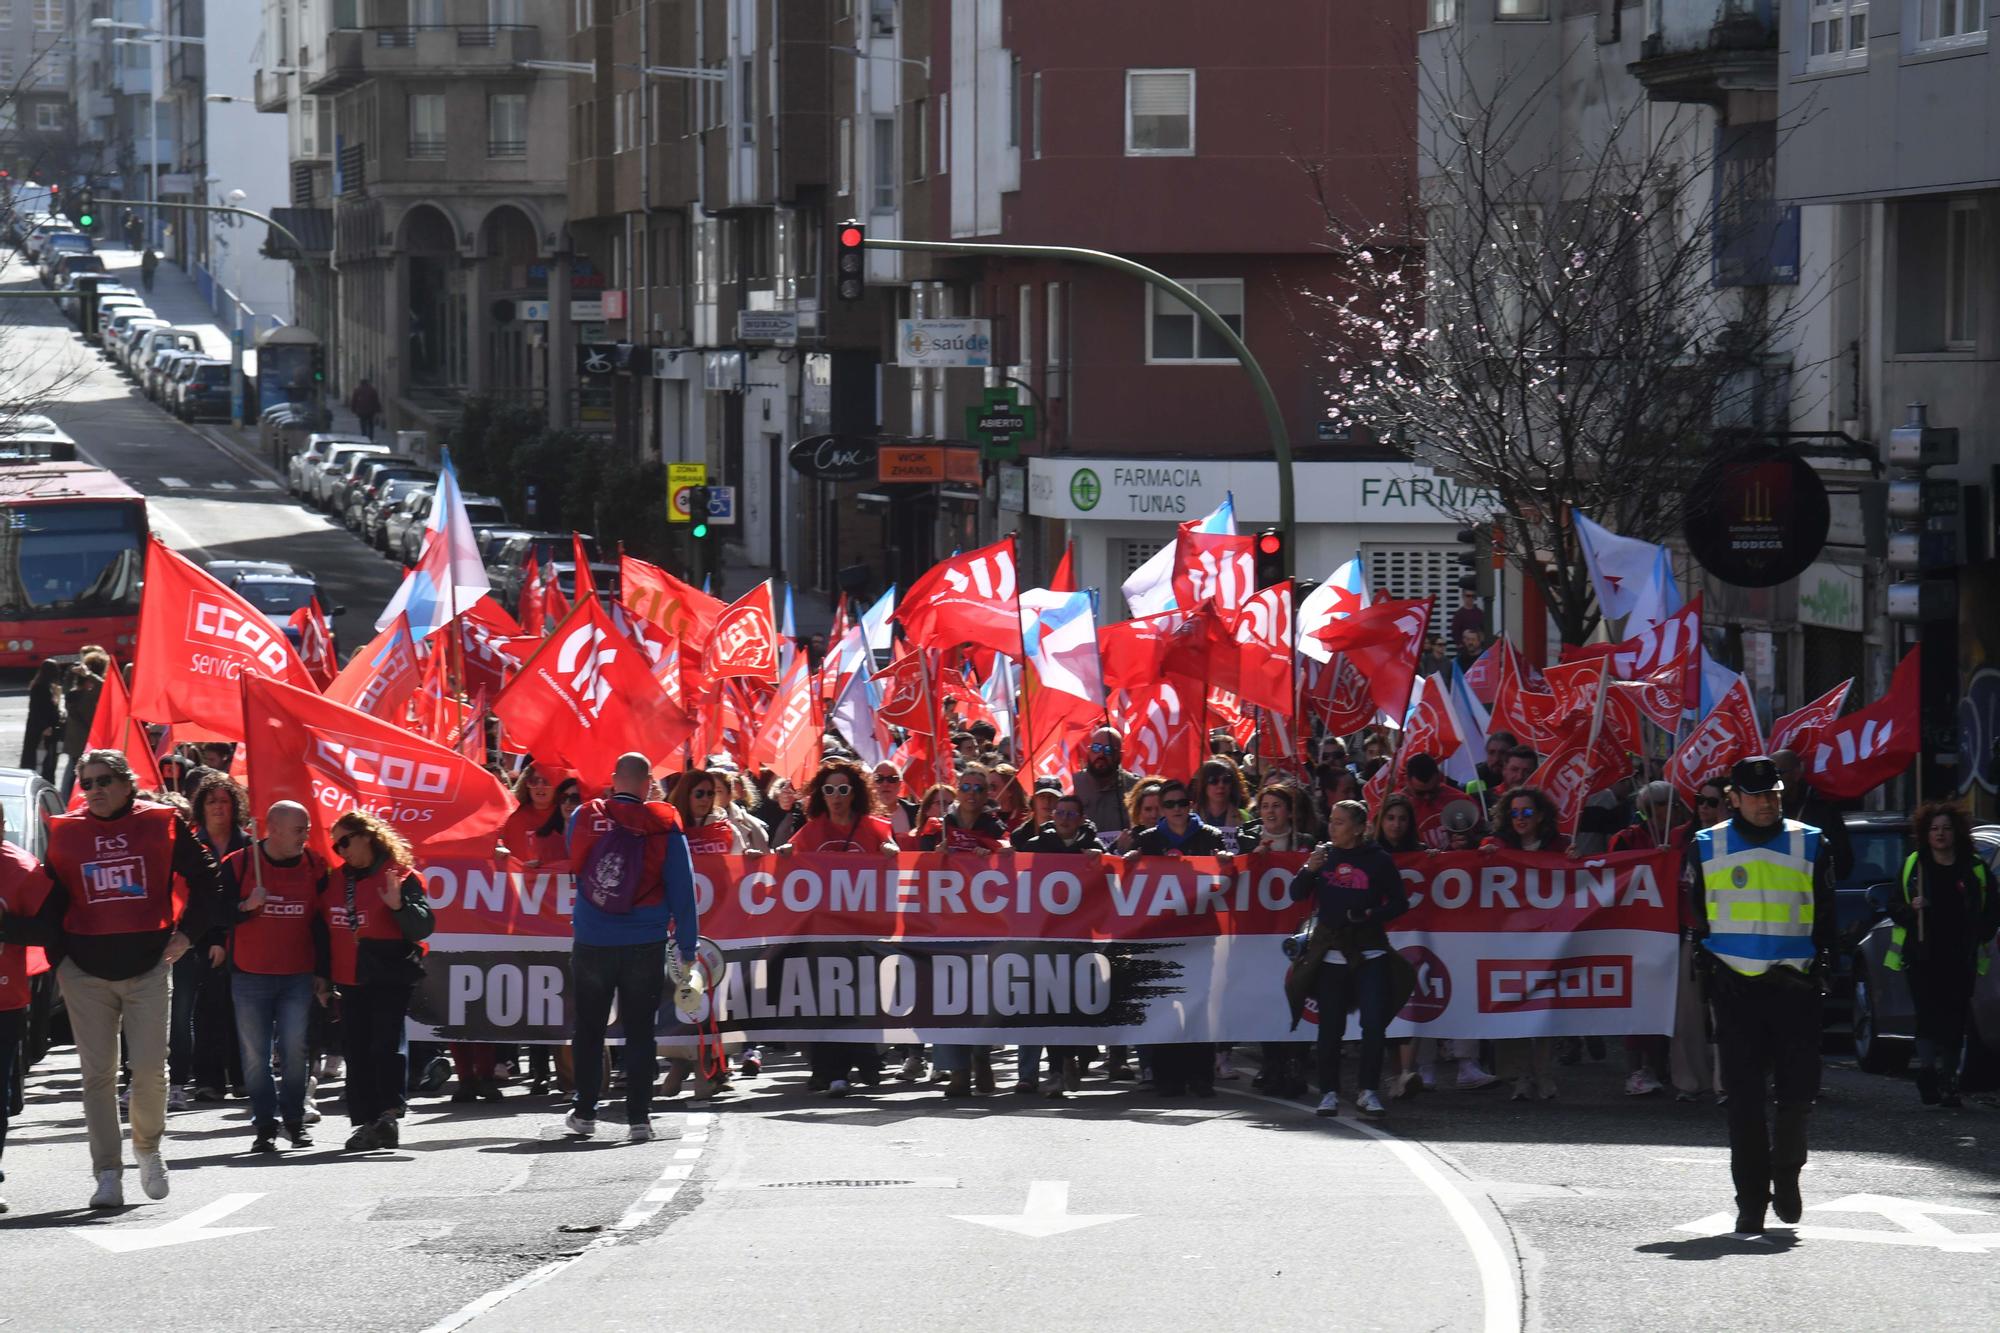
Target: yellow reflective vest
[(1758, 897), (1893, 960)]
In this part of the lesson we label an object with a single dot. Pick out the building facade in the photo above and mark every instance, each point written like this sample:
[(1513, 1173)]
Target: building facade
[(35, 68)]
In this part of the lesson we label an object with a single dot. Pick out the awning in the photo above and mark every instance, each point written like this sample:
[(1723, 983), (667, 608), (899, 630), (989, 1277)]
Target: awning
[(313, 227)]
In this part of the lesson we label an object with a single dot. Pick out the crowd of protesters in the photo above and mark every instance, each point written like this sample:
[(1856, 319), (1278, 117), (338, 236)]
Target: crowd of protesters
[(264, 973)]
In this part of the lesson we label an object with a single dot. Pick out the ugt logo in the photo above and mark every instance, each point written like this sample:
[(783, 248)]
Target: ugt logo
[(580, 662)]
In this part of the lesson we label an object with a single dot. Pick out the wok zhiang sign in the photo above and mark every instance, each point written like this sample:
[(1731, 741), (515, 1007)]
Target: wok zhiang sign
[(1060, 950)]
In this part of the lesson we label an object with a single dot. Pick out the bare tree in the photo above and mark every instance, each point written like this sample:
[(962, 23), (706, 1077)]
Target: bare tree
[(1544, 322)]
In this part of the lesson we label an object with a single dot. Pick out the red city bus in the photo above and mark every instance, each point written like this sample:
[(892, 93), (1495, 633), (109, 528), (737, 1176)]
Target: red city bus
[(72, 559)]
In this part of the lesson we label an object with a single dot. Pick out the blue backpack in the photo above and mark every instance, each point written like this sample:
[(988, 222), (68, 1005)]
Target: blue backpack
[(610, 875)]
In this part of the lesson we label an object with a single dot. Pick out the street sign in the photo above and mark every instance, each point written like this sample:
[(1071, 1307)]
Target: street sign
[(680, 477), (780, 327), (944, 342), (999, 422), (722, 505)]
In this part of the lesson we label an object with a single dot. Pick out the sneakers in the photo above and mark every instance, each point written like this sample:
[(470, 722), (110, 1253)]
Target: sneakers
[(1471, 1076), (153, 1174), (580, 1125), (177, 1099), (913, 1068), (1072, 1075), (436, 1074), (1328, 1105), (1641, 1083), (837, 1088), (295, 1132), (1785, 1201), (751, 1062), (110, 1190), (330, 1068), (639, 1132), (311, 1116), (1369, 1104), (388, 1134), (267, 1138)]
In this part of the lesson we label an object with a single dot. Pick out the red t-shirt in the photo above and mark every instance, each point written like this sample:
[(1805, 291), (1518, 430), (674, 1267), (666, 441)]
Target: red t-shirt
[(820, 834), (23, 886), (522, 837)]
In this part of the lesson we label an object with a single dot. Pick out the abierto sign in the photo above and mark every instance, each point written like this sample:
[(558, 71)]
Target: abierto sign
[(936, 343)]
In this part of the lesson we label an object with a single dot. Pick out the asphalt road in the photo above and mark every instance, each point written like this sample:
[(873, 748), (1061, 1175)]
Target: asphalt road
[(775, 1207)]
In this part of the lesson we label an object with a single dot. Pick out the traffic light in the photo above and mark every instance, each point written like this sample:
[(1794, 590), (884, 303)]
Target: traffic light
[(850, 266), (1475, 562), (319, 363), (1270, 557), (698, 512), (1924, 549), (86, 211)]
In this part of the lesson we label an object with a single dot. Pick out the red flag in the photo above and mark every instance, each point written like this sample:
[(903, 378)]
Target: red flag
[(1202, 648), (971, 598), (586, 696), (1669, 652), (1213, 565), (1163, 727), (532, 604), (1729, 733), (1576, 770), (1131, 651), (1064, 579), (683, 611), (112, 727), (380, 678), (195, 638), (315, 643), (1869, 746), (489, 655), (1516, 708), (906, 693), (1576, 686), (1429, 727), (789, 741), (585, 580), (1383, 642), (744, 639), (1483, 676), (1800, 732), (1338, 693), (1264, 649), (555, 606), (331, 759)]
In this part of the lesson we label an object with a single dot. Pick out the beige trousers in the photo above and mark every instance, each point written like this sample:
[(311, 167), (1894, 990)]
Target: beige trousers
[(97, 1010)]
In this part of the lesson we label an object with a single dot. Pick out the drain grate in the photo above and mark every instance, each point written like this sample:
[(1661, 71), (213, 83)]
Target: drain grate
[(833, 1184)]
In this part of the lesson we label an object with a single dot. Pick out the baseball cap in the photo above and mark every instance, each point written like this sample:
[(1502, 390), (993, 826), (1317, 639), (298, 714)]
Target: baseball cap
[(1049, 784), (1756, 775)]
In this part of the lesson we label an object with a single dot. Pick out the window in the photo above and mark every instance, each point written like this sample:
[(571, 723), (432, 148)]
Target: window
[(1513, 9), (427, 131), (920, 155), (882, 164), (944, 133), (1035, 115), (1175, 333), (846, 150), (1443, 13), (48, 117), (6, 66), (1014, 102), (1052, 341), (506, 13), (746, 100), (48, 15), (1951, 22), (507, 125), (1961, 274), (1159, 112), (1836, 33), (1024, 330)]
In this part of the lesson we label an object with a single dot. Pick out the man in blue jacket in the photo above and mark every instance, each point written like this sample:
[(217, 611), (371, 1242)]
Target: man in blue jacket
[(620, 953)]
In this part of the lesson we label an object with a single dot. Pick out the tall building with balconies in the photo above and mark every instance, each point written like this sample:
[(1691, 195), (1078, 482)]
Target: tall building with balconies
[(35, 69), (430, 161)]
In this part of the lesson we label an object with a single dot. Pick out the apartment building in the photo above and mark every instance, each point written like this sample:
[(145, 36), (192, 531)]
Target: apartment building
[(112, 78), (35, 138), (428, 176), (1892, 129)]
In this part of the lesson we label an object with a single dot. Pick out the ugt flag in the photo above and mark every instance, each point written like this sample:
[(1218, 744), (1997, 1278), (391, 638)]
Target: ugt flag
[(449, 576)]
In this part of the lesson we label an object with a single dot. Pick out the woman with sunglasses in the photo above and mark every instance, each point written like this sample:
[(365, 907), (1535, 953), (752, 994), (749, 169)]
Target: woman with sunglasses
[(373, 918), (898, 810), (698, 798), (1142, 811), (969, 825), (1219, 797), (534, 833), (1527, 823)]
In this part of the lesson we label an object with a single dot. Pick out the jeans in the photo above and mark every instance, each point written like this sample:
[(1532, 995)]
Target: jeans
[(1766, 1028), (1341, 987), (98, 1011), (12, 1024), (272, 1015), (371, 1038), (189, 975), (635, 977)]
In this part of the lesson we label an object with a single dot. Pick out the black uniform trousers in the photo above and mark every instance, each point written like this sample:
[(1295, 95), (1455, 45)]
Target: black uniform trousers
[(1767, 1033)]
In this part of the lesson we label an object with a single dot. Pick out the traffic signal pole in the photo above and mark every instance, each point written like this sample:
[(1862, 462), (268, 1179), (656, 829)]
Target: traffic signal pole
[(1274, 418)]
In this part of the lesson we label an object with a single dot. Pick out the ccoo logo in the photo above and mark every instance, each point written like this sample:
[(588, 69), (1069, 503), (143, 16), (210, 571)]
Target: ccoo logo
[(581, 659), (228, 628)]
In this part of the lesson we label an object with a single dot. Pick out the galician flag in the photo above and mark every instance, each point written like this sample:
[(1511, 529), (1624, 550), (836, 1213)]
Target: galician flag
[(449, 576), (1622, 569), (1344, 592)]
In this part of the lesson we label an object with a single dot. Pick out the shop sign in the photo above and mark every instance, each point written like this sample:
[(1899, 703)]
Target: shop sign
[(936, 343), (1830, 597), (926, 464), (1757, 516), (1171, 491), (835, 457)]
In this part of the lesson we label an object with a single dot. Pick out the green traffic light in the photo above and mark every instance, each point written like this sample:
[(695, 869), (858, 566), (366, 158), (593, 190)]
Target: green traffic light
[(87, 221), (700, 531)]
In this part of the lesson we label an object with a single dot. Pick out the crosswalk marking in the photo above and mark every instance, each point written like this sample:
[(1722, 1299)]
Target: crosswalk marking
[(222, 486), (175, 482), (264, 485)]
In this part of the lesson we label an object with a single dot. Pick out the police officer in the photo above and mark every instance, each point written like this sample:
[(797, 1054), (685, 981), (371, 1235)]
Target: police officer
[(1767, 925)]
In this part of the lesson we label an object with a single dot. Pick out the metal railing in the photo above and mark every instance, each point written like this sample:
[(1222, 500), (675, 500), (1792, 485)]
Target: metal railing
[(427, 145), (404, 35), (506, 148)]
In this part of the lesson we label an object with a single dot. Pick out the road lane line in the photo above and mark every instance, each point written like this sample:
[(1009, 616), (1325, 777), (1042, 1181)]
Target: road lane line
[(659, 1193), (174, 482), (1497, 1273)]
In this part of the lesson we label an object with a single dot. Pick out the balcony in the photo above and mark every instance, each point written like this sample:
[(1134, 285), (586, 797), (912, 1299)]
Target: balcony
[(355, 55), (1702, 50), (273, 90)]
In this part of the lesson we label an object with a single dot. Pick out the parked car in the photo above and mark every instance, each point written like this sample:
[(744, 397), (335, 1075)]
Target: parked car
[(126, 339), (206, 393), (38, 235), (338, 467), (356, 485), (481, 511), (184, 369), (152, 341), (159, 372), (278, 595), (604, 576), (407, 516), (107, 306), (547, 548), (389, 497), (62, 265), (120, 323), (73, 287), (303, 463)]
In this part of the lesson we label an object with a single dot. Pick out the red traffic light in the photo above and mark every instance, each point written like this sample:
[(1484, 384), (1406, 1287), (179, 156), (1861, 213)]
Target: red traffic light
[(1269, 543), (850, 238)]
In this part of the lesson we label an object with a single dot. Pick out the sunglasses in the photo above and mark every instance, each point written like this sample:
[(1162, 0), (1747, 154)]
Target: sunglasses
[(1099, 747), (1175, 805), (972, 788), (1522, 812), (837, 789), (101, 781), (887, 780), (340, 843), (1218, 779), (702, 794), (1709, 800)]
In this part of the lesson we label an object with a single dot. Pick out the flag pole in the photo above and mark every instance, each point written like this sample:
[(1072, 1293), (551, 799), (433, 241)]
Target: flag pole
[(1023, 720)]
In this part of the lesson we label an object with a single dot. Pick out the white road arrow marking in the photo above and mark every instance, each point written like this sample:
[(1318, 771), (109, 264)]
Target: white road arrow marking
[(1047, 1213), (1915, 1217), (195, 1226)]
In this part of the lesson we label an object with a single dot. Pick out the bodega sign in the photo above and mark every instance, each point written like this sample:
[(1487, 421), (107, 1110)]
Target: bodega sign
[(1057, 950)]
